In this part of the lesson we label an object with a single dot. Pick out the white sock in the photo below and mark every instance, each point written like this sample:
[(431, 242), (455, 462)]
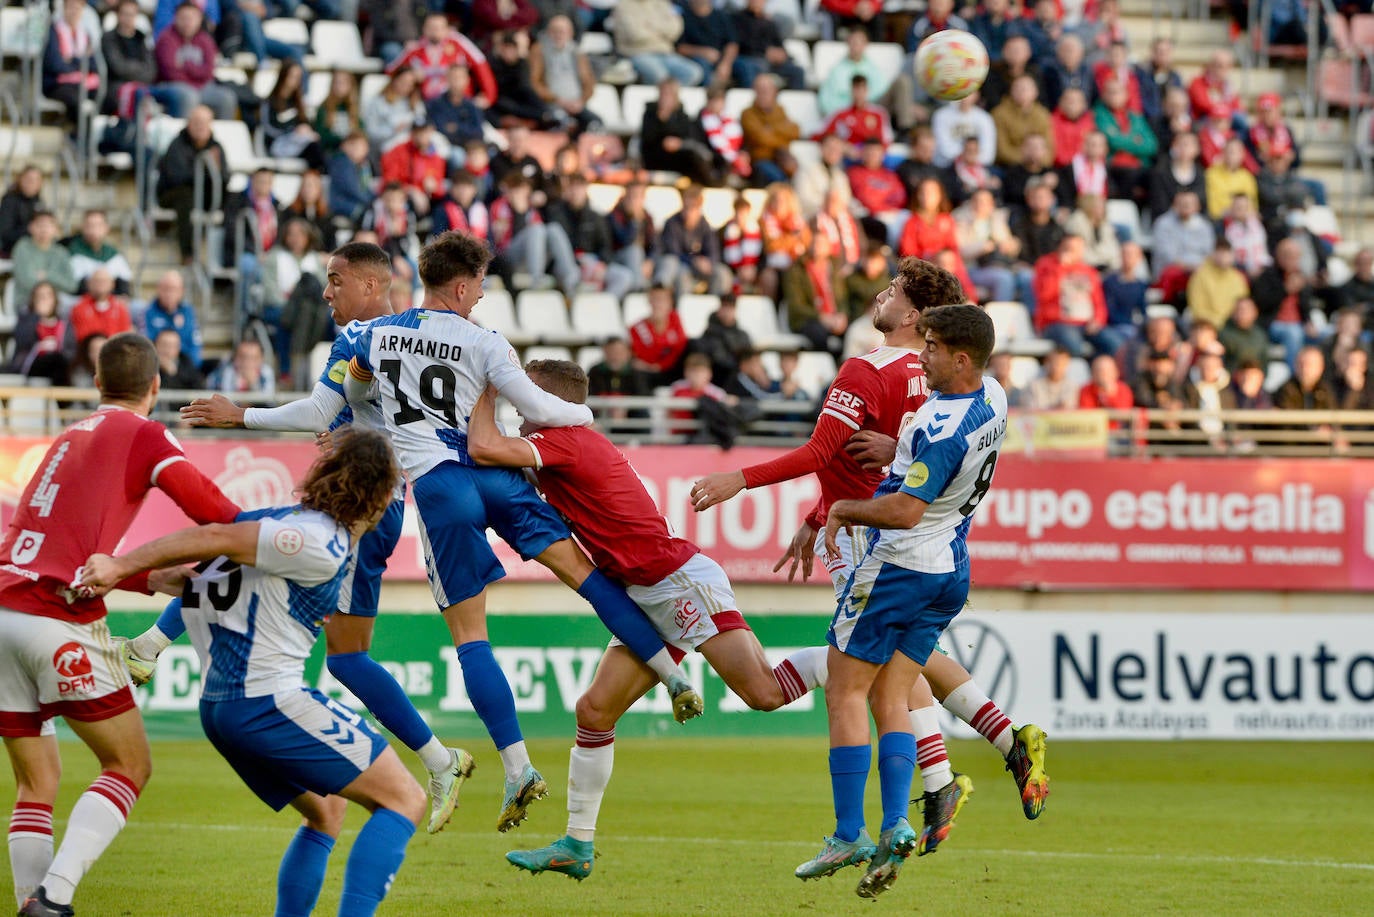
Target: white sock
[(589, 772), (811, 664), (931, 757), (514, 757), (150, 643), (970, 704), (434, 755), (30, 847), (98, 816), (664, 666)]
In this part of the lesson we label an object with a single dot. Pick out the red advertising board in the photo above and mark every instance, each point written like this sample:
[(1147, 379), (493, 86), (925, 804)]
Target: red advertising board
[(1187, 524)]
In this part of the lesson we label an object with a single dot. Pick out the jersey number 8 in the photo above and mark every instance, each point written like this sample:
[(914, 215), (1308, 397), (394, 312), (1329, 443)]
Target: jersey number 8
[(980, 486)]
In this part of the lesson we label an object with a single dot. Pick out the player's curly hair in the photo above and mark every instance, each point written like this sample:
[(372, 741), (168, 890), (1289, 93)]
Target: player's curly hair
[(451, 255), (353, 482), (925, 284), (965, 328)]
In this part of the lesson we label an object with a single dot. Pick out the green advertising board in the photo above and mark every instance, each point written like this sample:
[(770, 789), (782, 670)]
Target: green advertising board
[(549, 660)]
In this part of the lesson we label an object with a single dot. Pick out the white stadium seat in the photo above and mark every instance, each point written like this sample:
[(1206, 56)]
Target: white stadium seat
[(825, 55), (737, 100), (496, 312), (695, 310), (589, 356), (338, 45), (636, 308), (544, 314), (546, 352), (661, 202), (802, 108), (596, 316), (287, 31), (1012, 325), (693, 99), (603, 198), (633, 101), (605, 104), (758, 315), (815, 371)]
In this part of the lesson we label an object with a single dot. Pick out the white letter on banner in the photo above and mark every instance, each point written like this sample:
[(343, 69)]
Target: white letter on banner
[(177, 675), (456, 695), (524, 668), (572, 671), (419, 680), (749, 539)]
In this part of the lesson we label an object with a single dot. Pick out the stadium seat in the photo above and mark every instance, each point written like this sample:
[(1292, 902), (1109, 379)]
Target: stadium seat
[(825, 55), (239, 155), (238, 76), (758, 315), (1024, 371), (338, 46), (18, 37), (1161, 310), (589, 356), (661, 202), (1321, 221), (596, 316), (693, 99), (802, 108), (737, 100), (718, 206), (1126, 215), (800, 52), (695, 309), (815, 371), (496, 312), (319, 358), (633, 101), (805, 152), (287, 30), (605, 104), (544, 315), (1080, 373), (861, 337), (371, 86), (1011, 322), (546, 352), (1338, 272), (1277, 373), (286, 187), (596, 44), (161, 131), (121, 162), (9, 310), (263, 81), (603, 198), (636, 308)]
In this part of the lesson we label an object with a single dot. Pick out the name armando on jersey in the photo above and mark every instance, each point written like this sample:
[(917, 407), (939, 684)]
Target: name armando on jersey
[(420, 347)]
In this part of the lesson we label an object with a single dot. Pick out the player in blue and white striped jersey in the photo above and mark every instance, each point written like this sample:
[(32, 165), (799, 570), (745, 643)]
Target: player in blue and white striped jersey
[(358, 278), (429, 366), (912, 581), (254, 612)]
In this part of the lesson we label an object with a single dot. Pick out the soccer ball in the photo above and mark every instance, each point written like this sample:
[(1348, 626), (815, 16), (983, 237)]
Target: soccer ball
[(951, 64)]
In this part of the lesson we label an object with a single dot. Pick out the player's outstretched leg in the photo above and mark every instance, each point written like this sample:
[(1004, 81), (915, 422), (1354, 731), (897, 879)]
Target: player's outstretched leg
[(397, 805), (941, 807), (1025, 757), (37, 772)]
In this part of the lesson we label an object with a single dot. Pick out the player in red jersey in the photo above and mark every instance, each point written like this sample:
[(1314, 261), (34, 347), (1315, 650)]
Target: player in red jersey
[(868, 406), (686, 595), (56, 654)]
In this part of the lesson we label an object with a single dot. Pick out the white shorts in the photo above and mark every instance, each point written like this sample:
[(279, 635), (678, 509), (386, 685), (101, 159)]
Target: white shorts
[(689, 606), (50, 667), (852, 549)]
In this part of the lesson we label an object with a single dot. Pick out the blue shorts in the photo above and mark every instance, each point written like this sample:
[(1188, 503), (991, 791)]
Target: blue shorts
[(457, 504), (362, 584), (291, 743), (887, 609)]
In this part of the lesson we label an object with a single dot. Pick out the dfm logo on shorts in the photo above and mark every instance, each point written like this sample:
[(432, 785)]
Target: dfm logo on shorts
[(989, 659), (74, 670)]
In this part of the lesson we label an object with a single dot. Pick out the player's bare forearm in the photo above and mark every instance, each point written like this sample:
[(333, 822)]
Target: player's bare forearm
[(215, 411), (237, 541), (890, 511), (487, 445)]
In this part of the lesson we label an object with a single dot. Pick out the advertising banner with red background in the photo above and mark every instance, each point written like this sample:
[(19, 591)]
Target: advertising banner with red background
[(1091, 523)]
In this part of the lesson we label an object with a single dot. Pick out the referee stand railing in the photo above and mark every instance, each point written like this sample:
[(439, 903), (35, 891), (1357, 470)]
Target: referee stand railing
[(41, 411)]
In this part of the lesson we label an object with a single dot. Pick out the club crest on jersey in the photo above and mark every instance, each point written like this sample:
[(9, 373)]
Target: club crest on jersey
[(73, 666), (917, 475), (26, 546), (289, 541)]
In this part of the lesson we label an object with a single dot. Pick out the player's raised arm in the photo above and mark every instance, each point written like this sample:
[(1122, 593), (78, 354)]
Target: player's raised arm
[(488, 446), (534, 404), (238, 542), (313, 413)]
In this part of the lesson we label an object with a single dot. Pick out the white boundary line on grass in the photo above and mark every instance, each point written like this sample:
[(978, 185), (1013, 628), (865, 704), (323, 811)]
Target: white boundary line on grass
[(739, 842)]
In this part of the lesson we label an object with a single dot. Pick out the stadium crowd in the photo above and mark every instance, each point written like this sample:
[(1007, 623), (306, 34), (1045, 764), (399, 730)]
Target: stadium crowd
[(484, 125)]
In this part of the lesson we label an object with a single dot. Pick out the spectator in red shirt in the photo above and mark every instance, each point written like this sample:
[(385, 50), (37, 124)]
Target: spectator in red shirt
[(1270, 138), (416, 165), (1070, 123), (438, 49), (861, 122), (857, 14), (696, 383), (659, 341), (1117, 66), (100, 311), (1213, 87), (1106, 390), (492, 16), (877, 188), (1070, 308), (930, 231)]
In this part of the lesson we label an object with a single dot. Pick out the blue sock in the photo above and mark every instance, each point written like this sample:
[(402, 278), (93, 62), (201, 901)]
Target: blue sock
[(373, 685), (302, 872), (489, 692), (169, 622), (896, 768), (374, 861), (848, 776), (621, 615)]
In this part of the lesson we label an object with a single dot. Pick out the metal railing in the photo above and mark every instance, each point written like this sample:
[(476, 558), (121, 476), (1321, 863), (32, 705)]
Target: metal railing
[(44, 411)]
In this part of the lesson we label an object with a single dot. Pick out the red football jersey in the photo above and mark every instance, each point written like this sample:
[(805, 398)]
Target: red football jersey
[(81, 501), (876, 391), (592, 484)]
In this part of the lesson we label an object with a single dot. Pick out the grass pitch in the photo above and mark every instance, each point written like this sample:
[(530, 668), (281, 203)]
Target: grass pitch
[(717, 826)]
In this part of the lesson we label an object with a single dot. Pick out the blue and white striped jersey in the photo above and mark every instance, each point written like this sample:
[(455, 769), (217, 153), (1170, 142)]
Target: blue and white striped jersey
[(948, 461), (253, 627), (430, 366), (364, 413)]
